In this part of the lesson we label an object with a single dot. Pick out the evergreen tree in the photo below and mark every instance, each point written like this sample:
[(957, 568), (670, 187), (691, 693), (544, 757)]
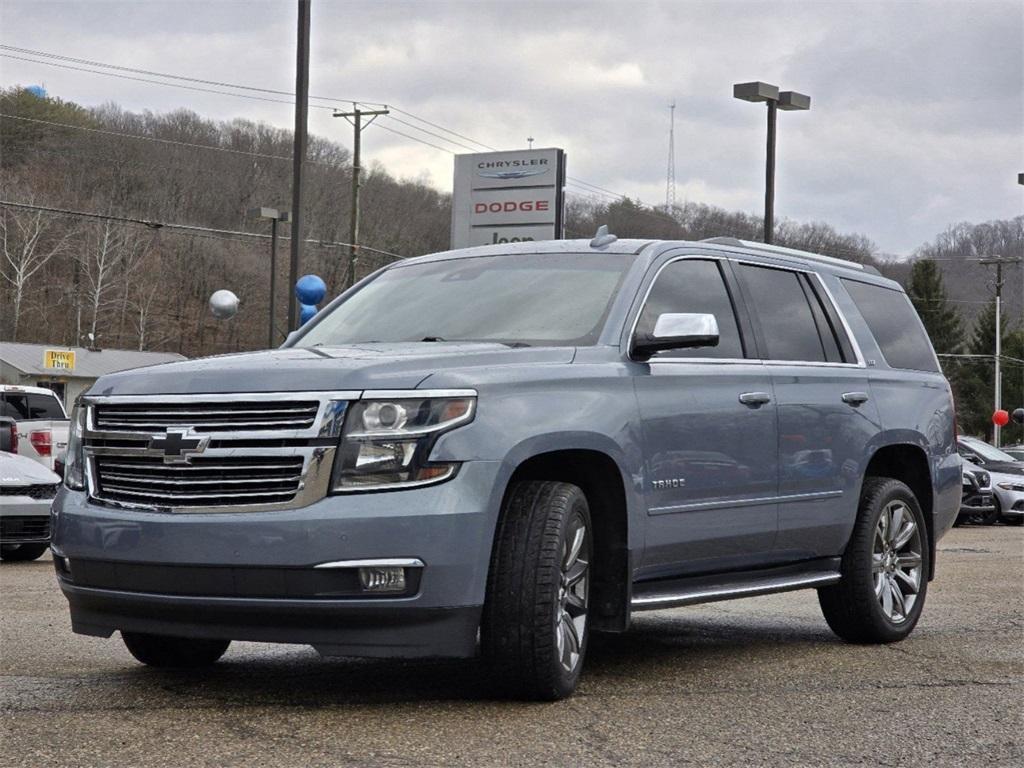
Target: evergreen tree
[(941, 319)]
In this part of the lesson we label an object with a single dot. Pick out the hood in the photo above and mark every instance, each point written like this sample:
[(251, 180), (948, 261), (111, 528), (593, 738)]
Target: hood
[(998, 467), (296, 369), (18, 470)]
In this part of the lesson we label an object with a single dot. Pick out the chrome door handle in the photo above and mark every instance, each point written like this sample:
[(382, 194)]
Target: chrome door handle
[(755, 398), (855, 398)]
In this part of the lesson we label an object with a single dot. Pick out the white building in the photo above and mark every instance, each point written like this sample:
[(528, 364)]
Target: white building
[(69, 371)]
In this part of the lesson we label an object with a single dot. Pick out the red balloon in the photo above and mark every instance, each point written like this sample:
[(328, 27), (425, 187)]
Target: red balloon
[(1000, 418)]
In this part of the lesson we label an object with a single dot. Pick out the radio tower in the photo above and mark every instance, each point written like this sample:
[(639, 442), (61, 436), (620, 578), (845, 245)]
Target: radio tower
[(670, 181)]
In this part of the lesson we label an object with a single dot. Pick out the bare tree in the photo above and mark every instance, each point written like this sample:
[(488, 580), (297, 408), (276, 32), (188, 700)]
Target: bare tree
[(29, 240)]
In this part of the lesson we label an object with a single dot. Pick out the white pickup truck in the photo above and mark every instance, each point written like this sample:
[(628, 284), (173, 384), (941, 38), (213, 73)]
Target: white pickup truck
[(37, 422)]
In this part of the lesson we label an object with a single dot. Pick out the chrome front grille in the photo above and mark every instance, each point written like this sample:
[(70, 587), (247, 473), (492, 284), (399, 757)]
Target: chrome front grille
[(214, 452), (207, 416), (205, 481)]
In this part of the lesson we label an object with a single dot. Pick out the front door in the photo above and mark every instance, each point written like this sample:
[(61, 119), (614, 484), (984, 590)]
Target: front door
[(709, 432)]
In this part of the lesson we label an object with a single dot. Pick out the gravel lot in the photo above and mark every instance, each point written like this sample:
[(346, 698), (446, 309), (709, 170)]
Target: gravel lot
[(748, 682)]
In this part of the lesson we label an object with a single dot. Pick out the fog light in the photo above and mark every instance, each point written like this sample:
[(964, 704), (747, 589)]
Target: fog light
[(382, 579)]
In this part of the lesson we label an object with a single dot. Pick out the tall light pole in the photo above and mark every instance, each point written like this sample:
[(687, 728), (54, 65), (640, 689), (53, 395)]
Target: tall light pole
[(275, 216), (786, 100), (998, 262)]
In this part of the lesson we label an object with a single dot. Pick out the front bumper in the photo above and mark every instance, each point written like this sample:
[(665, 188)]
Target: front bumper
[(1011, 503), (24, 520), (449, 527)]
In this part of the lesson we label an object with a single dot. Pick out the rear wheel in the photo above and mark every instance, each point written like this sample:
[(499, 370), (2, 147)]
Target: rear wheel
[(21, 552), (884, 569), (164, 651), (535, 628)]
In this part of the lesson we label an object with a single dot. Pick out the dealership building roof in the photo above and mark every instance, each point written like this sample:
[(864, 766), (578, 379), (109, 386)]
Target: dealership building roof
[(89, 363)]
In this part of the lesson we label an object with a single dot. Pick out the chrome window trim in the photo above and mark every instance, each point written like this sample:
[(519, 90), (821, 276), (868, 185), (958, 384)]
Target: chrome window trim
[(816, 277)]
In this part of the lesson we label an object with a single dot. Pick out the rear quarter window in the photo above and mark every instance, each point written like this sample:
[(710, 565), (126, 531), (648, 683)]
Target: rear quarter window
[(895, 325)]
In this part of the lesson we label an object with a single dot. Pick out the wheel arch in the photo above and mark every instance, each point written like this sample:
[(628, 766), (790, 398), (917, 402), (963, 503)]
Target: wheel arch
[(908, 462), (595, 466)]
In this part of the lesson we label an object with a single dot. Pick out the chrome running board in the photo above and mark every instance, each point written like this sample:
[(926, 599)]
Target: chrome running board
[(649, 596)]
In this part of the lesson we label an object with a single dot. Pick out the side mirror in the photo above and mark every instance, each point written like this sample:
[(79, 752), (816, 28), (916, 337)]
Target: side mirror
[(676, 331)]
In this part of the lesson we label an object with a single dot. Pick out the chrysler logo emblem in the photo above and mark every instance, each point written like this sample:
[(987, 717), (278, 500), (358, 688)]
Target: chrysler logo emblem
[(178, 444), (519, 173)]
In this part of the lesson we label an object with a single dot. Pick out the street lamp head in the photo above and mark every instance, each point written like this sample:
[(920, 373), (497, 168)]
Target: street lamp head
[(791, 100), (268, 213), (757, 91)]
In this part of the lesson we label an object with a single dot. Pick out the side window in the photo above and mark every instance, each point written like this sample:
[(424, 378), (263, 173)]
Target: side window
[(894, 324), (783, 309), (694, 285)]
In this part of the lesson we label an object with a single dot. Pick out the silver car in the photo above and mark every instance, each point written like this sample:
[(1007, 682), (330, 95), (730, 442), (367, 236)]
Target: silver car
[(27, 489), (1007, 477)]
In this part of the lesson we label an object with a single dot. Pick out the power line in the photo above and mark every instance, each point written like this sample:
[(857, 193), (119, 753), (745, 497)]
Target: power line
[(93, 63), (160, 225), (238, 86)]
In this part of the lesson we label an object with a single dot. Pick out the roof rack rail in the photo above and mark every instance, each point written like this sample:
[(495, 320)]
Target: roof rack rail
[(791, 252)]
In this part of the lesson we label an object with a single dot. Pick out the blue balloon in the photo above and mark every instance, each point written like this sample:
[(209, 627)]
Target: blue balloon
[(306, 313), (310, 289)]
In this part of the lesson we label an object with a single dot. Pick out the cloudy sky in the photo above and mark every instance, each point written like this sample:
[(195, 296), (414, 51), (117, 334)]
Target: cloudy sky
[(916, 121)]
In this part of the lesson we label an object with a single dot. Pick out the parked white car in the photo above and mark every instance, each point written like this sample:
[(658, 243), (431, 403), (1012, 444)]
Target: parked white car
[(40, 428), (26, 492)]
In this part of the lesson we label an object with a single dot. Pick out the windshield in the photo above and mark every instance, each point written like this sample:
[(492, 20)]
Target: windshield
[(986, 451), (557, 299)]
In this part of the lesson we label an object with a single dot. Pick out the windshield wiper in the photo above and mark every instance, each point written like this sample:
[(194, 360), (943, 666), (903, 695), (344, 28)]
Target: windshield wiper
[(432, 338)]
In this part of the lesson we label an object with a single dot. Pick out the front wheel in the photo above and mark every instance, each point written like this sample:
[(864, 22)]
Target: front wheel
[(884, 569), (164, 651), (534, 629)]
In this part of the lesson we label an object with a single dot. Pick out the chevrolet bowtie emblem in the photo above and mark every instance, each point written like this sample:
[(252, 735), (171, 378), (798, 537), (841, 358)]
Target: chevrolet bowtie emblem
[(178, 444)]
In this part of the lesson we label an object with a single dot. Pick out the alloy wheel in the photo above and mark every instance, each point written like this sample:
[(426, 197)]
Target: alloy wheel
[(573, 594), (896, 561)]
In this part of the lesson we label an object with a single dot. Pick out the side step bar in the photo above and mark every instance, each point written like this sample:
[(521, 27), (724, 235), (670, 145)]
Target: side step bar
[(652, 595)]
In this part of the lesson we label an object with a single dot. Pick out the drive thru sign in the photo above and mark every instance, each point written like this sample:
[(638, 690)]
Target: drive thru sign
[(508, 197), (59, 359)]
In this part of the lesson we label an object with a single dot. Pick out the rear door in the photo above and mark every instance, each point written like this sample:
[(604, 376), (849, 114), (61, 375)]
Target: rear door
[(709, 432), (825, 412)]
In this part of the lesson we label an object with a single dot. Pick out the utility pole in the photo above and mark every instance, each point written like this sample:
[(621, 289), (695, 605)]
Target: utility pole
[(670, 177), (356, 118), (298, 154), (998, 262)]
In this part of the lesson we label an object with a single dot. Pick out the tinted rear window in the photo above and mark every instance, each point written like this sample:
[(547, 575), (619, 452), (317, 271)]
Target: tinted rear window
[(29, 405), (895, 326), (788, 325)]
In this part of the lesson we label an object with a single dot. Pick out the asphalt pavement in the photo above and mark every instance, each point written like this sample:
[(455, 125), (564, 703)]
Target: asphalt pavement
[(748, 682)]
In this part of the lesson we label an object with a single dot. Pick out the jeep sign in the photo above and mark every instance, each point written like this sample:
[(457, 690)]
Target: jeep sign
[(508, 197)]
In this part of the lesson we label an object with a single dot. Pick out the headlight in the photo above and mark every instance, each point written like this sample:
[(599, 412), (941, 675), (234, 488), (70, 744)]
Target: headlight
[(386, 442), (1019, 487), (74, 462)]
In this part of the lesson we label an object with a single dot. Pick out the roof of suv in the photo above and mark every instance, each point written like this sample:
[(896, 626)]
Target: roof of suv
[(635, 246)]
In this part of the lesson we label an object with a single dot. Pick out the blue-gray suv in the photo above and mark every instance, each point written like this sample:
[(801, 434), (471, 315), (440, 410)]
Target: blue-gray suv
[(501, 450)]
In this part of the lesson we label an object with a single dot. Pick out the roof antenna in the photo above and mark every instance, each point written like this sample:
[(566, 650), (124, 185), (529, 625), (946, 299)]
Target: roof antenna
[(602, 238)]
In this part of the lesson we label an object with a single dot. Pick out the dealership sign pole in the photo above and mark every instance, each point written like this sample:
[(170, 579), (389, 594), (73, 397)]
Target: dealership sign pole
[(508, 197)]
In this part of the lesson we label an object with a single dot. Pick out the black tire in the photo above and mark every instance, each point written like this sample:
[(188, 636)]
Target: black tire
[(14, 553), (851, 607), (528, 611), (1015, 520), (164, 651)]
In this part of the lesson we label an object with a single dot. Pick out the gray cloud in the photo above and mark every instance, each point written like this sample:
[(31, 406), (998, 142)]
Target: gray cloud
[(917, 117)]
